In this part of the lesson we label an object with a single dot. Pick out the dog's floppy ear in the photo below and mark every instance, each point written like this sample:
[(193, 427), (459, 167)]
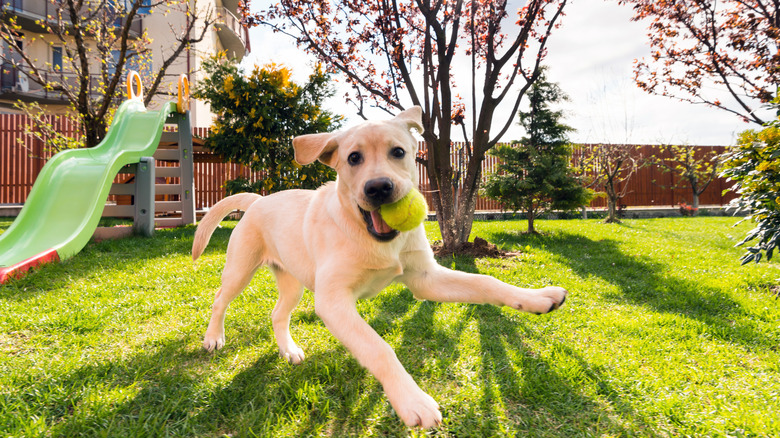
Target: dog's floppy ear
[(311, 147), (412, 118)]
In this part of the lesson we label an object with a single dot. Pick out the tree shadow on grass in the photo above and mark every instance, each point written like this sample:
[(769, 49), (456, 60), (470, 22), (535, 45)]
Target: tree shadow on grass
[(331, 394), (537, 395), (108, 257), (160, 381), (160, 390), (643, 282)]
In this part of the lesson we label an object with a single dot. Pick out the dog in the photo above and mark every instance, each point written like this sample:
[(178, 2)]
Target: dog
[(333, 242)]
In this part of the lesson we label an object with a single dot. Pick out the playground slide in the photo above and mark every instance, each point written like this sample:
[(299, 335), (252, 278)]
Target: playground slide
[(67, 199)]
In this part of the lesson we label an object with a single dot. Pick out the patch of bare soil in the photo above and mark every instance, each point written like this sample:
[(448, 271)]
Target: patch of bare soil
[(478, 248)]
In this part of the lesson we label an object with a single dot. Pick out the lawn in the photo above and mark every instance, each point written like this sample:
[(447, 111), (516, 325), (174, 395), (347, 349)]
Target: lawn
[(663, 334)]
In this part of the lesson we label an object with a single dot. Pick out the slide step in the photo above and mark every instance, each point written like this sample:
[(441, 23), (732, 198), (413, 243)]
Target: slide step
[(167, 154), (167, 189), (159, 189), (111, 210), (167, 172), (163, 206), (168, 222), (122, 189)]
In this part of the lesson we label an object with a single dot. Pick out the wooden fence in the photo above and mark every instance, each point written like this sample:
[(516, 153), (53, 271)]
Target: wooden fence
[(650, 186), (20, 164), (22, 157)]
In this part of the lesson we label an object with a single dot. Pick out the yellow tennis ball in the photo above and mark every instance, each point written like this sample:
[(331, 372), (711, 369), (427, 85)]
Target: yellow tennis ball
[(406, 213)]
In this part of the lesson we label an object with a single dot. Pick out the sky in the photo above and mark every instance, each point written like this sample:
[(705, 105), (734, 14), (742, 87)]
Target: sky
[(591, 58)]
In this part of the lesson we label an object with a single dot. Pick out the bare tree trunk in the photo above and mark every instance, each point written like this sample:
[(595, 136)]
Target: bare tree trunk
[(94, 130), (454, 201), (612, 209), (440, 181), (695, 190), (454, 213)]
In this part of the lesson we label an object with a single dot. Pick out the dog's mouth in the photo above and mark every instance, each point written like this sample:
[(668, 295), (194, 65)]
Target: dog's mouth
[(377, 226)]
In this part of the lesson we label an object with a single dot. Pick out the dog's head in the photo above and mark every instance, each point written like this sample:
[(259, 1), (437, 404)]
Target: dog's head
[(375, 162)]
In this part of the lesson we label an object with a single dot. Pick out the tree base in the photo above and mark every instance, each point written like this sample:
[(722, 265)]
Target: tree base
[(478, 248)]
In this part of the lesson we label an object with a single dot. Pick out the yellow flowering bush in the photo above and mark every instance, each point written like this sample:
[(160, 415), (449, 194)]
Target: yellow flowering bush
[(258, 114), (754, 166)]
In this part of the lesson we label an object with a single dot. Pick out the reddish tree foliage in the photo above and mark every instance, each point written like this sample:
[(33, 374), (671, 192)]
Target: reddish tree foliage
[(700, 47), (398, 53)]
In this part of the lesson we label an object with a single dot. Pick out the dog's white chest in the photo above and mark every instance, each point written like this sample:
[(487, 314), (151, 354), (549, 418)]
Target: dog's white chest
[(375, 280)]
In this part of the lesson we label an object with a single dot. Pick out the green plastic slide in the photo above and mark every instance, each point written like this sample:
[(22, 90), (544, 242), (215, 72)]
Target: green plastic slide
[(67, 199)]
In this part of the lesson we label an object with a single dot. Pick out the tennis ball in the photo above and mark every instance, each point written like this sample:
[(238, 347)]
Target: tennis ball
[(406, 213)]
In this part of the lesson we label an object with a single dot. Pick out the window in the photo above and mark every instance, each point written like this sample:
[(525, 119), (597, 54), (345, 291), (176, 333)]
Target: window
[(11, 52), (145, 7), (112, 62), (56, 58)]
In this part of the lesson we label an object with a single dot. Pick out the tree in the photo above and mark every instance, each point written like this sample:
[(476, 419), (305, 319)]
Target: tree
[(396, 54), (534, 174), (702, 49), (97, 48), (609, 166), (754, 166), (257, 117), (690, 170)]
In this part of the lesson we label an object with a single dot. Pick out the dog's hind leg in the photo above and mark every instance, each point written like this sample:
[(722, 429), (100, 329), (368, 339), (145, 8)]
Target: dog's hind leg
[(240, 265), (290, 293)]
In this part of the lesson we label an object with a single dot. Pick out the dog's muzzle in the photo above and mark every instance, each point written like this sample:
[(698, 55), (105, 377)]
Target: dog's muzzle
[(377, 226), (378, 191)]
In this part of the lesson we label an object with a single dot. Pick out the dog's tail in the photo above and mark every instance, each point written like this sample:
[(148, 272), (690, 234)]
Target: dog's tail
[(211, 220)]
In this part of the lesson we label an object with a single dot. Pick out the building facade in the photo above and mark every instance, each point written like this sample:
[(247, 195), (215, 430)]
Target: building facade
[(160, 29)]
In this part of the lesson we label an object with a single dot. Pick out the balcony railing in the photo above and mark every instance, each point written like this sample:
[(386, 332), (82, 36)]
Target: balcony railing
[(32, 12), (233, 34), (16, 85)]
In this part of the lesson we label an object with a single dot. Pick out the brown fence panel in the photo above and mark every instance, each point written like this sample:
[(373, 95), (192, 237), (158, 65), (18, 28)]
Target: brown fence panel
[(651, 187), (21, 158), (211, 173)]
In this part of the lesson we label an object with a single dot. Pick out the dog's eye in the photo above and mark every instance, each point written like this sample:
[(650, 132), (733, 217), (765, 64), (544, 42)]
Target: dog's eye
[(355, 158), (398, 152)]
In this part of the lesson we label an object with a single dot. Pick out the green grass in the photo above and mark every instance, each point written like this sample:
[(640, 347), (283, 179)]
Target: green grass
[(663, 334)]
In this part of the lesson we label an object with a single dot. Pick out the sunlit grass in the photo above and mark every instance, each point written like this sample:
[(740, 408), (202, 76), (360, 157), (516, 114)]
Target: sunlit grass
[(664, 334)]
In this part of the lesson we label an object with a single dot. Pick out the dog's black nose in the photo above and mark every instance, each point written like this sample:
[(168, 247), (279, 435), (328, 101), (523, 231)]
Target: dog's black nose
[(379, 190)]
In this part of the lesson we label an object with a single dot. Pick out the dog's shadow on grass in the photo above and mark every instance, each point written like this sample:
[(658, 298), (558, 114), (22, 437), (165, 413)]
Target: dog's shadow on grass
[(642, 282)]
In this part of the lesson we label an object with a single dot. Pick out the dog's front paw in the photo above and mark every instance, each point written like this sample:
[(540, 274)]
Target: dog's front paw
[(415, 407), (555, 295), (211, 343), (542, 300)]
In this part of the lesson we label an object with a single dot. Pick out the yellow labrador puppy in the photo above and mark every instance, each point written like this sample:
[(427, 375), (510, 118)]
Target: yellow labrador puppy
[(332, 241)]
